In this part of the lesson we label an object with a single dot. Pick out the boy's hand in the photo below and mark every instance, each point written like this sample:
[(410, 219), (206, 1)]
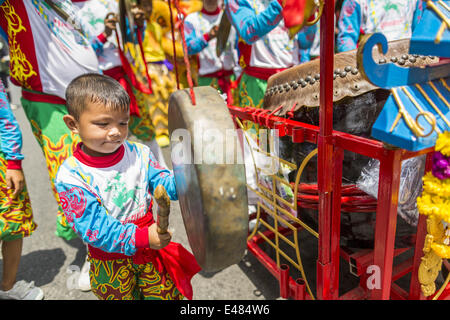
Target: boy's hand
[(15, 181), (156, 240), (110, 24)]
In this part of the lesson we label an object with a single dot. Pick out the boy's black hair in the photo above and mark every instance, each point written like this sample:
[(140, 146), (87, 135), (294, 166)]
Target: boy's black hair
[(95, 88)]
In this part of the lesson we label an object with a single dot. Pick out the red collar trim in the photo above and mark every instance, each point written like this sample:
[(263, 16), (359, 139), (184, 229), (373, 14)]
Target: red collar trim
[(211, 13), (99, 162)]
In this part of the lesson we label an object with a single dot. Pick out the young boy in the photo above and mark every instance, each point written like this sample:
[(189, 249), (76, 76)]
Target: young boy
[(16, 216), (105, 190)]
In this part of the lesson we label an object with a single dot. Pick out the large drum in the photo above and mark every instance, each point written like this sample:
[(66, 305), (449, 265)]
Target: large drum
[(356, 105)]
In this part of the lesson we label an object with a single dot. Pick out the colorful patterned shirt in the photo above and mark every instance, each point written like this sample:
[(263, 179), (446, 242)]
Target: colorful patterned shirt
[(103, 196), (10, 135), (197, 26), (394, 18), (47, 50)]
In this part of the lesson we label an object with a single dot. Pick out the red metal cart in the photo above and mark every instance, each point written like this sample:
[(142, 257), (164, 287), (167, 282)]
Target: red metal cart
[(331, 145)]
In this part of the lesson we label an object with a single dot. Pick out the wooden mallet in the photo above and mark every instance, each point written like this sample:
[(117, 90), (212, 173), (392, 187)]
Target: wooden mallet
[(163, 201)]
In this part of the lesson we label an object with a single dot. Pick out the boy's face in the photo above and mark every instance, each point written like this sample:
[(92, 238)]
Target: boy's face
[(210, 5), (102, 130)]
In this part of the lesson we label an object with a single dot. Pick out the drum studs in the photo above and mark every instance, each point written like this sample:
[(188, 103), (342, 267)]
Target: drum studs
[(412, 59), (401, 61), (355, 71), (312, 81), (308, 78), (394, 59), (382, 61), (337, 71), (317, 76), (343, 74), (348, 68), (303, 83), (404, 56)]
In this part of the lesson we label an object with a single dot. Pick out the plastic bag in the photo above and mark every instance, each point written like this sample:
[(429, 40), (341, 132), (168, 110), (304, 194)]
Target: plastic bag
[(410, 185)]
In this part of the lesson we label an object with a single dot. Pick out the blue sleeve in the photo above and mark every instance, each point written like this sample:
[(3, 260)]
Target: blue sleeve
[(89, 219), (418, 12), (97, 45), (195, 43), (10, 135), (129, 37), (349, 26), (306, 36), (158, 175), (249, 25)]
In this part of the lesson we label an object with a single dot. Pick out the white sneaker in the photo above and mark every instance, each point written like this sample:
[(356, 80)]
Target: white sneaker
[(84, 283), (23, 290)]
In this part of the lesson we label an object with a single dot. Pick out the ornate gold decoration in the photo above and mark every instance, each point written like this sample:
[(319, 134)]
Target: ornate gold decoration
[(21, 69)]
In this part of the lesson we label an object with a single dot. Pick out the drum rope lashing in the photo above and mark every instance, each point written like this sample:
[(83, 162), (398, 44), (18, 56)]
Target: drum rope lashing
[(185, 51)]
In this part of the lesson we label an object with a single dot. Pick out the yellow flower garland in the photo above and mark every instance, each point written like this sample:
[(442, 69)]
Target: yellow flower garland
[(443, 143)]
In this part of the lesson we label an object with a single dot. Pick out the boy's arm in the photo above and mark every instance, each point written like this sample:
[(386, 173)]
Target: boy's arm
[(89, 219), (249, 25), (10, 135), (158, 175), (349, 26)]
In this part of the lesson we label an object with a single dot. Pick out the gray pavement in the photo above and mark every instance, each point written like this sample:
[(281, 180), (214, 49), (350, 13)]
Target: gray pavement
[(48, 259)]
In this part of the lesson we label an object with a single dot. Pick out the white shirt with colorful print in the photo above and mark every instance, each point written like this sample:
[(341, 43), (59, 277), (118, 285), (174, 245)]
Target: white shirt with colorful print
[(47, 49), (102, 196), (394, 18)]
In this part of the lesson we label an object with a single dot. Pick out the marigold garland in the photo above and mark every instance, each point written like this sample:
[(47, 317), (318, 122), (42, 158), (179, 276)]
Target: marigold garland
[(443, 144), (435, 199)]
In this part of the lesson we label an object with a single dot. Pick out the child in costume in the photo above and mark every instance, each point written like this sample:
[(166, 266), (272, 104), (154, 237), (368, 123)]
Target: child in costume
[(43, 60), (105, 189), (200, 31), (394, 18), (16, 216)]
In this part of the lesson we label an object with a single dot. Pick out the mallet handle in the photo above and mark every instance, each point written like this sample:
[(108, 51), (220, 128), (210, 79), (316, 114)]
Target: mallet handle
[(163, 201)]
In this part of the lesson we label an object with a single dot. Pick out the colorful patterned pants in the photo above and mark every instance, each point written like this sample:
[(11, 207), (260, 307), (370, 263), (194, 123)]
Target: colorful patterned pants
[(16, 216), (123, 280), (251, 94), (57, 143)]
